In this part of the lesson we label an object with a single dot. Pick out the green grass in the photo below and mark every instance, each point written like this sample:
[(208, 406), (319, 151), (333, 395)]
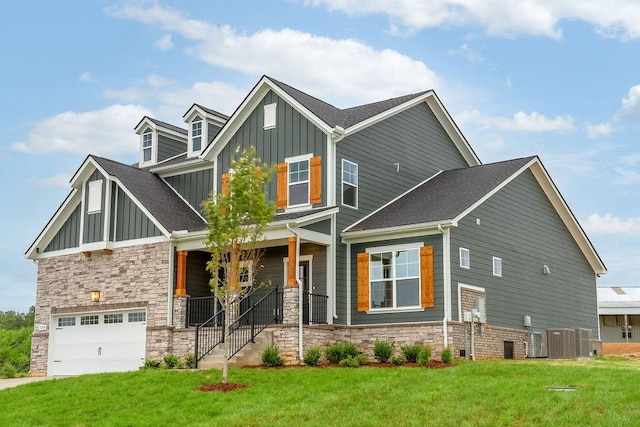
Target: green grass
[(493, 393)]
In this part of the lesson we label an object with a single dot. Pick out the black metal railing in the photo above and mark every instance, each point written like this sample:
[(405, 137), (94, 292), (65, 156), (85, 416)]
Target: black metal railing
[(200, 310), (250, 323), (314, 309), (208, 335)]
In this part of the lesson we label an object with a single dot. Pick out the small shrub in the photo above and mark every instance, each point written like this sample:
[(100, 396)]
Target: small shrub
[(398, 360), (312, 356), (424, 355), (271, 356), (190, 361), (350, 362), (350, 349), (334, 353), (152, 364), (446, 356), (8, 371), (382, 351), (411, 352), (171, 361), (362, 359)]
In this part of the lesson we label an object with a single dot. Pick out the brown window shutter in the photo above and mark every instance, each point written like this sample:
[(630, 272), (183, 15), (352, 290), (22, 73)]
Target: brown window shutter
[(427, 299), (225, 182), (281, 196), (363, 281), (315, 165)]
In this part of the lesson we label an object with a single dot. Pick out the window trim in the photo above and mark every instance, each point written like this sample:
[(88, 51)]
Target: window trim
[(466, 265), (151, 147), (298, 159), (94, 196), (497, 266), (355, 186), (396, 248), (196, 121), (270, 116)]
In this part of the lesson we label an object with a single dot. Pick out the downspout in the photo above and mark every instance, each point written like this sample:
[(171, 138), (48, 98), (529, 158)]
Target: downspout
[(300, 290), (446, 273), (444, 331)]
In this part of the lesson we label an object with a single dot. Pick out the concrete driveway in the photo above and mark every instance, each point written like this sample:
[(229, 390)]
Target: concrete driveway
[(15, 382)]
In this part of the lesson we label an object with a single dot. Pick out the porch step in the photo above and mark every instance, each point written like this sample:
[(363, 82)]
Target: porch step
[(248, 356)]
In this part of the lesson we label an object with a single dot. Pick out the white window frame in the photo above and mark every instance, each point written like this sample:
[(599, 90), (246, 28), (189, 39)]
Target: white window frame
[(465, 258), (248, 264), (298, 159), (200, 134), (394, 279), (150, 148), (355, 186), (94, 197), (497, 266), (270, 116)]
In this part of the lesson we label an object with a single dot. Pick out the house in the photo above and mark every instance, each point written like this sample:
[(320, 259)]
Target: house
[(388, 227), (619, 314)]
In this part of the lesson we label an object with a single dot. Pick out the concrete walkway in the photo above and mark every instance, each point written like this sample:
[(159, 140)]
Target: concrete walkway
[(15, 382)]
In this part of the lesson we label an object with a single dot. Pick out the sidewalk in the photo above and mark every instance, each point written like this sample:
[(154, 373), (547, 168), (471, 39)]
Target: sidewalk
[(15, 382)]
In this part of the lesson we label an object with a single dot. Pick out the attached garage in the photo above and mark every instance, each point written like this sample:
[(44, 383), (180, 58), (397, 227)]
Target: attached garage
[(105, 341)]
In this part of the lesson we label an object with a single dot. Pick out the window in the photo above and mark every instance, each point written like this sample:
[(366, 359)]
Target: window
[(89, 320), (66, 321), (497, 266), (94, 199), (298, 182), (465, 260), (147, 146), (270, 116), (137, 317), (395, 278), (196, 134), (113, 318), (349, 184), (626, 332)]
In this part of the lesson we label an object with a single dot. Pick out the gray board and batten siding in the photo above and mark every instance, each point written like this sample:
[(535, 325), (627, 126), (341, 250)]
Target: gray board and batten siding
[(69, 234), (435, 314), (519, 225), (169, 147), (413, 138), (94, 222), (194, 187), (128, 220), (293, 135)]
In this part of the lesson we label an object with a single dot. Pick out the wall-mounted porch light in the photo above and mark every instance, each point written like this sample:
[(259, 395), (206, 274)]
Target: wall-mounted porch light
[(95, 296)]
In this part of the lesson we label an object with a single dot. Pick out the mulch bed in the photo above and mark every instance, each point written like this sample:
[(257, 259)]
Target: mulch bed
[(223, 387)]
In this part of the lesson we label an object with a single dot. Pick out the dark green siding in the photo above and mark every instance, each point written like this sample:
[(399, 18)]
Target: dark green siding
[(69, 234), (519, 225), (197, 275), (323, 227), (414, 139), (293, 135), (428, 315), (131, 222), (168, 147), (194, 187), (94, 223), (213, 131)]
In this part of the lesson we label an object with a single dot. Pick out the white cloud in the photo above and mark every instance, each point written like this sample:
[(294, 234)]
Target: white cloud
[(164, 43), (627, 177), (86, 77), (597, 130), (468, 53), (501, 17), (220, 96), (610, 224), (631, 104), (105, 131), (58, 180), (345, 70), (533, 122)]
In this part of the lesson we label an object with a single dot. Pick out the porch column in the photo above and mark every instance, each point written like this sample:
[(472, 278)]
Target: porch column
[(293, 263), (181, 282)]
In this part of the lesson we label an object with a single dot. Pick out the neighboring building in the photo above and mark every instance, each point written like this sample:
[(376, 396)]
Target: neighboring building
[(619, 312), (388, 227)]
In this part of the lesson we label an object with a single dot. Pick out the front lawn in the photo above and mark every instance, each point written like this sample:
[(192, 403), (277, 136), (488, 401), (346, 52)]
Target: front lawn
[(473, 393)]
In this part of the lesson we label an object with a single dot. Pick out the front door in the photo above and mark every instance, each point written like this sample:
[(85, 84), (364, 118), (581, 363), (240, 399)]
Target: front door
[(305, 279)]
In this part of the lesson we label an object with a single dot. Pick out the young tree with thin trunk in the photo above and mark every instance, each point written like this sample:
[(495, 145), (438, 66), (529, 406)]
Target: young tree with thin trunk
[(237, 218)]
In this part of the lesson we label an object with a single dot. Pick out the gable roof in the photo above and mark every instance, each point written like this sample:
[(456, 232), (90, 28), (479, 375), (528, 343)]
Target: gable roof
[(443, 197), (447, 197), (160, 124), (335, 121), (156, 196)]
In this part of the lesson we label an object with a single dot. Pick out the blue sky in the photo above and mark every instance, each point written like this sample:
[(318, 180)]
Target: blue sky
[(558, 79)]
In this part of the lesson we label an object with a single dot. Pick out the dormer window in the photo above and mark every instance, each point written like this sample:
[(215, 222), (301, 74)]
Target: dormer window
[(147, 146), (196, 134)]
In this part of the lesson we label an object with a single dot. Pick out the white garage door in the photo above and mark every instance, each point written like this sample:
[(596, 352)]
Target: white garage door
[(88, 343)]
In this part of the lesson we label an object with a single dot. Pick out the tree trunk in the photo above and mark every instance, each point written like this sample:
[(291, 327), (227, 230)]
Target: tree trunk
[(227, 343)]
